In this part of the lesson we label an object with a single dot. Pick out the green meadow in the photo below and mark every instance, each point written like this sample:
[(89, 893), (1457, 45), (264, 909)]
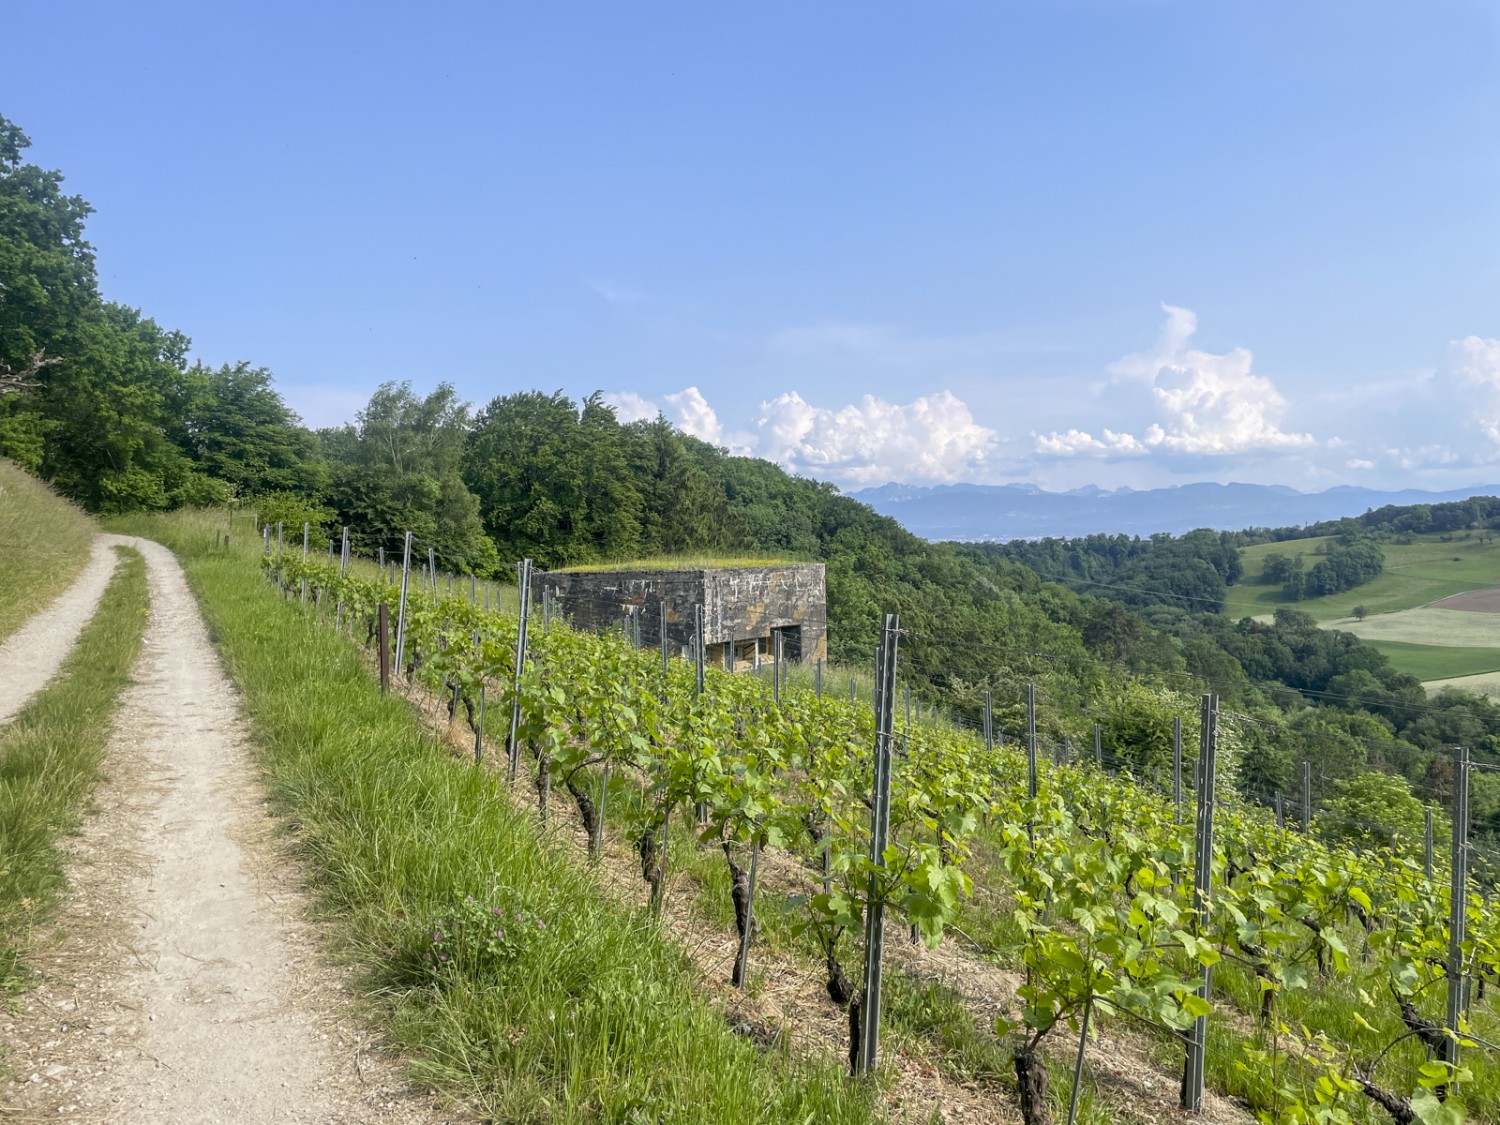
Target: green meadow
[(1416, 573)]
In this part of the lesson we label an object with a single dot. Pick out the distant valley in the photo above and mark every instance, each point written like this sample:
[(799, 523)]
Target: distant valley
[(973, 512)]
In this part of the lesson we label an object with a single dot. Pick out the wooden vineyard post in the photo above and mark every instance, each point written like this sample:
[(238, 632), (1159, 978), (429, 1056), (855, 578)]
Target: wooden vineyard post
[(880, 823), (776, 667), (265, 535), (432, 569), (1098, 746), (1458, 905), (818, 678), (279, 527), (512, 746), (1192, 1075), (730, 657), (742, 962), (1281, 814), (383, 632), (479, 725), (401, 606)]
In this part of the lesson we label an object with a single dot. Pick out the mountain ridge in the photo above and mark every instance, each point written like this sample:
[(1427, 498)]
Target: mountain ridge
[(979, 512)]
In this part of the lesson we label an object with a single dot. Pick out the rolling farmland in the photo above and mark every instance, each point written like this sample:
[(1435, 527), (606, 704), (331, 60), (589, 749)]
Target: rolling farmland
[(1438, 644)]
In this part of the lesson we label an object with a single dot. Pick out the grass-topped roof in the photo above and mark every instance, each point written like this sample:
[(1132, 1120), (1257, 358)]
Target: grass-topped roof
[(684, 562)]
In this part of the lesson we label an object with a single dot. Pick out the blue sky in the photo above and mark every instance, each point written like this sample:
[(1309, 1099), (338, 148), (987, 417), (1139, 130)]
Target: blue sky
[(1067, 242)]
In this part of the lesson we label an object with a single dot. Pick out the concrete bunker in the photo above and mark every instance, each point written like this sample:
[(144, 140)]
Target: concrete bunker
[(745, 608)]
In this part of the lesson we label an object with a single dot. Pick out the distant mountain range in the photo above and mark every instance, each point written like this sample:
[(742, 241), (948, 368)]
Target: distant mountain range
[(1023, 511)]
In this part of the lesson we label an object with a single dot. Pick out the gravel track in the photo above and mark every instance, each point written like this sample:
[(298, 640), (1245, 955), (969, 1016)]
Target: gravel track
[(187, 987), (32, 655)]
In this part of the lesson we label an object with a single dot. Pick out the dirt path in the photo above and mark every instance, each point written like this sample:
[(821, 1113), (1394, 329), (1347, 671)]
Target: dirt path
[(187, 987), (32, 655)]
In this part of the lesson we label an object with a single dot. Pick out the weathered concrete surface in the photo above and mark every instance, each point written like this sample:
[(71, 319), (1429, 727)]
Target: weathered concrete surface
[(742, 605)]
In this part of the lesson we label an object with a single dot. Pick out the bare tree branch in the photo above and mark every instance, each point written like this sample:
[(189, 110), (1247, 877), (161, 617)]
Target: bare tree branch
[(14, 382)]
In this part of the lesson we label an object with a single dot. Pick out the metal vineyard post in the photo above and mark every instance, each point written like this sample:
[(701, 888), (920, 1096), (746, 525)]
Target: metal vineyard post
[(880, 820), (1208, 741), (401, 609)]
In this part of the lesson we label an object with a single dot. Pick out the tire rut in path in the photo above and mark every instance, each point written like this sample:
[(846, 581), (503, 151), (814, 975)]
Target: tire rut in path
[(188, 987), (31, 656)]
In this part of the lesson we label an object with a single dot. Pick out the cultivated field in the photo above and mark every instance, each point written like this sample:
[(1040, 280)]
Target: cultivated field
[(1445, 628), (1416, 574), (1486, 684), (1440, 646)]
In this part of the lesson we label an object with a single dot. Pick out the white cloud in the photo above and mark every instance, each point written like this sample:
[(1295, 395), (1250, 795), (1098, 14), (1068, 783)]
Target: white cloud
[(1359, 463), (1215, 405), (693, 415), (933, 438), (1205, 404), (1477, 360), (631, 407), (1081, 443)]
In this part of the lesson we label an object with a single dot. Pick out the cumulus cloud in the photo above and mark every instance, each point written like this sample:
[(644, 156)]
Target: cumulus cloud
[(631, 407), (693, 415), (1477, 360), (1081, 443), (1214, 403), (932, 438), (1205, 404)]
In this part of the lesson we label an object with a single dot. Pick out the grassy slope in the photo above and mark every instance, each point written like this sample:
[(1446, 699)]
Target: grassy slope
[(599, 1020), (1437, 662), (1415, 574), (44, 542), (50, 756)]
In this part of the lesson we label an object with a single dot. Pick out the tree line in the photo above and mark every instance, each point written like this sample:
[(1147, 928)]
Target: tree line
[(103, 402)]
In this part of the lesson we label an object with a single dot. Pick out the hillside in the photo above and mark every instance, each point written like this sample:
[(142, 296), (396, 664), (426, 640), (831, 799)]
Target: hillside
[(44, 543), (1425, 569)]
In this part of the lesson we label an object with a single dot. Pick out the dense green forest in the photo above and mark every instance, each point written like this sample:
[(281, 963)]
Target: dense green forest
[(103, 402)]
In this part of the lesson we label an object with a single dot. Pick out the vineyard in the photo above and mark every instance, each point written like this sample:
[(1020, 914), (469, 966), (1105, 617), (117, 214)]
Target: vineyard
[(1313, 983)]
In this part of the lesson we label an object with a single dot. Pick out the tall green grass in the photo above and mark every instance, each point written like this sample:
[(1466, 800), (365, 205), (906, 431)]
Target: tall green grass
[(596, 1019), (44, 542), (50, 756)]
